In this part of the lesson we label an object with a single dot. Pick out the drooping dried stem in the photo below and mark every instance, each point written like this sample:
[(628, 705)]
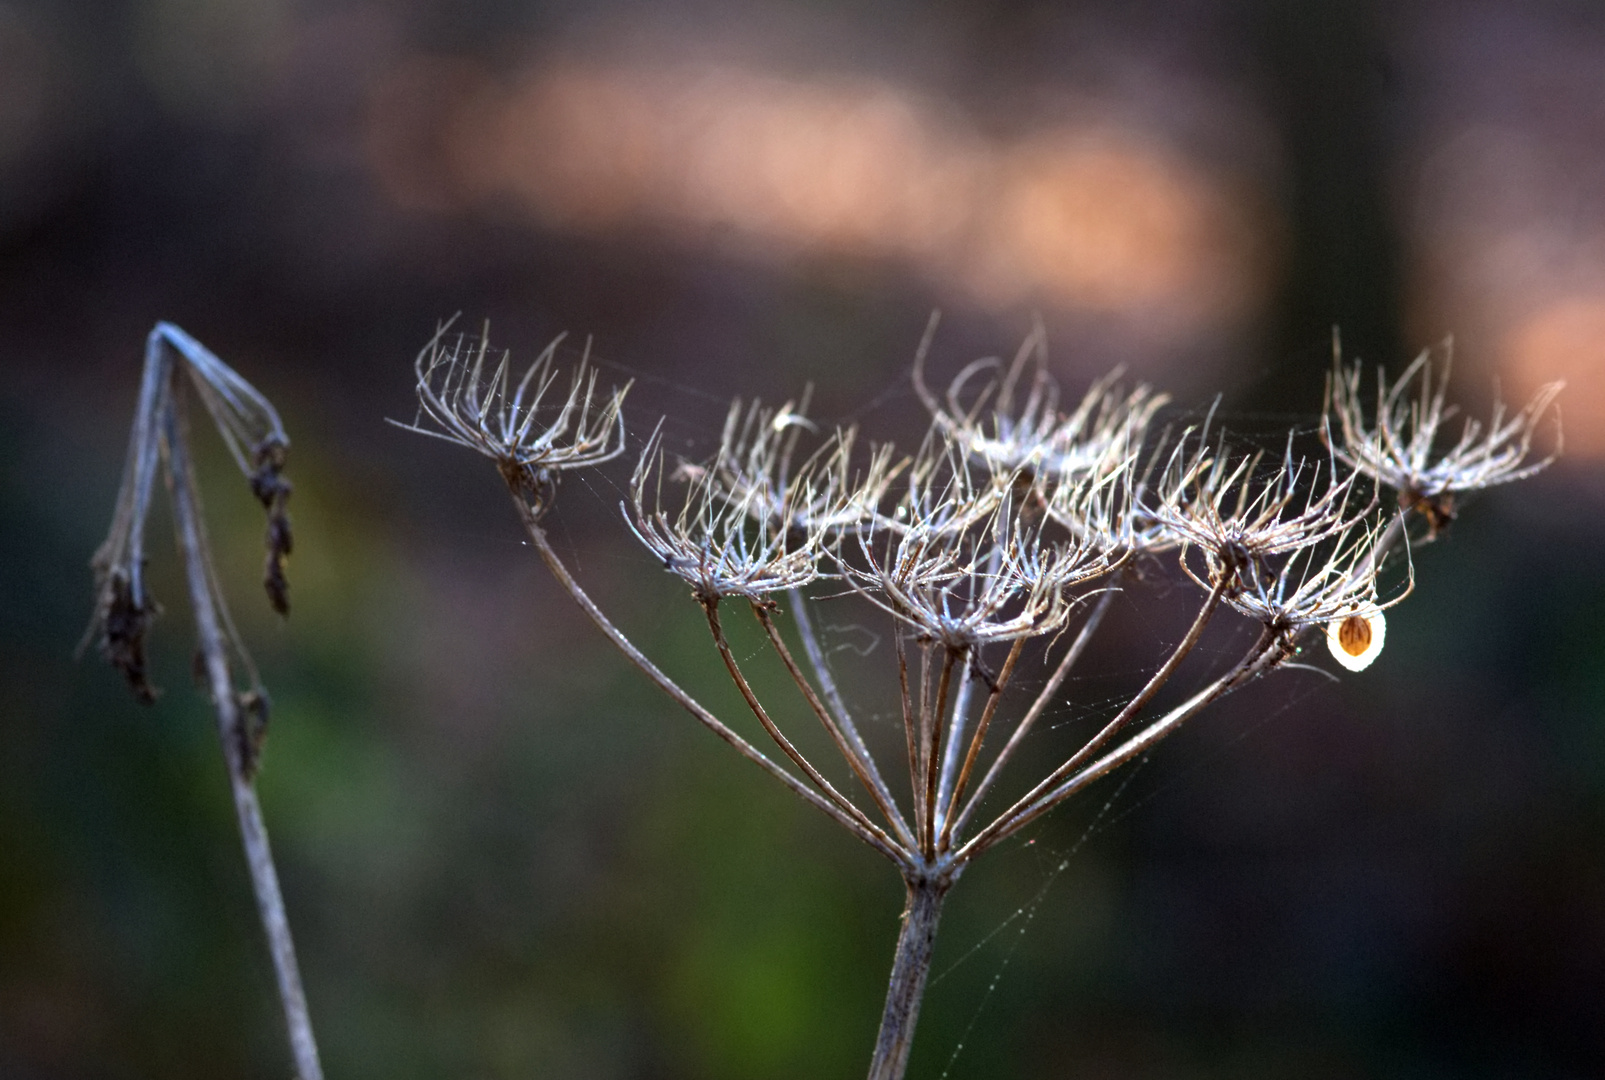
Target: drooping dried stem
[(123, 608), (209, 626)]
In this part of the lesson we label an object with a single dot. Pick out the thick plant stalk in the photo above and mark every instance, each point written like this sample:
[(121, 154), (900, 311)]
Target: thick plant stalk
[(253, 831), (911, 967)]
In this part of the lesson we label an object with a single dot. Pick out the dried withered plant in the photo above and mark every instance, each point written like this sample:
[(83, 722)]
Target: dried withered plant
[(1013, 523), (124, 609)]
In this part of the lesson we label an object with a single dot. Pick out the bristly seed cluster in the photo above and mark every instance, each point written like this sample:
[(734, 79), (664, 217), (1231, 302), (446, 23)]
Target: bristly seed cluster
[(480, 407), (1402, 446)]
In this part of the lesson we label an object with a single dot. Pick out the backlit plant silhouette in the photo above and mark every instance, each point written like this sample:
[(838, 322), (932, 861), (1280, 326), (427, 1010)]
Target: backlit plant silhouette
[(1011, 526)]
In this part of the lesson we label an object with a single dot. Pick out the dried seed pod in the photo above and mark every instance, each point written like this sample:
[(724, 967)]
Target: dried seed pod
[(272, 490), (254, 708), (122, 636)]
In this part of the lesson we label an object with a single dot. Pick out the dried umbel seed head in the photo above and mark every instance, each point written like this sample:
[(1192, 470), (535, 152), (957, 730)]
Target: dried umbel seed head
[(746, 543), (996, 581), (764, 466), (1241, 518), (1001, 528), (1356, 639), (1400, 447), (1314, 585), (477, 405), (1028, 439)]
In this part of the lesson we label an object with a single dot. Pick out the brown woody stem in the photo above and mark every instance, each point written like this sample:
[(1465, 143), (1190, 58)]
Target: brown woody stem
[(911, 967), (933, 749), (909, 731)]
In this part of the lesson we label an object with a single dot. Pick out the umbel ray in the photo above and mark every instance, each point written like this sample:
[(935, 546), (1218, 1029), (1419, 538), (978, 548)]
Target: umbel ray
[(1001, 538)]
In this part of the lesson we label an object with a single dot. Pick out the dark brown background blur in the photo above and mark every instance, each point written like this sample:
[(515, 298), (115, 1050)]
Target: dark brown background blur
[(503, 856)]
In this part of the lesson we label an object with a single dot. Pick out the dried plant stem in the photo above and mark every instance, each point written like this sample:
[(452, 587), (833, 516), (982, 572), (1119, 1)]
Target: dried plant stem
[(711, 609), (827, 683), (909, 728), (857, 756), (987, 712), (960, 714), (911, 966), (1015, 509), (955, 734), (1047, 695), (560, 571), (993, 832), (253, 832), (922, 748), (155, 401), (1391, 536), (933, 752), (1266, 654)]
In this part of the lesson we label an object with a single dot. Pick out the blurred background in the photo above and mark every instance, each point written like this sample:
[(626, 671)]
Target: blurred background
[(503, 855)]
